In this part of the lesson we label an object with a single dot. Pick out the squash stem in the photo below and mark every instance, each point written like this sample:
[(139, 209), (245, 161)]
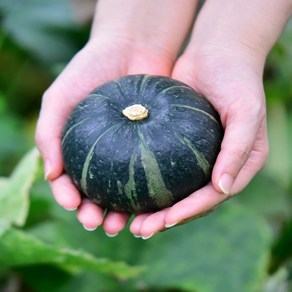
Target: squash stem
[(136, 112)]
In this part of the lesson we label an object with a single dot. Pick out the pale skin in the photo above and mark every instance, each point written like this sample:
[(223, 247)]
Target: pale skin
[(224, 61)]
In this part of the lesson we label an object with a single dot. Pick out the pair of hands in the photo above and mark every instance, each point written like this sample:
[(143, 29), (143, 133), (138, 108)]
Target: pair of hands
[(228, 74), (235, 90)]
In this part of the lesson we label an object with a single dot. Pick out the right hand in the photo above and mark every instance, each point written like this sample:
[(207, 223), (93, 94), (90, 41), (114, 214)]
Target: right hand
[(98, 62), (133, 40)]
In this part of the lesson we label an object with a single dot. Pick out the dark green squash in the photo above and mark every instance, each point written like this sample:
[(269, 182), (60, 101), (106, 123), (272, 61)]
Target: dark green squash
[(141, 143)]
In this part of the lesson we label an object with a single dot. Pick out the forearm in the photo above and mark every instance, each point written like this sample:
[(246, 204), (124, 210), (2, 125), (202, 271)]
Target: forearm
[(152, 23), (253, 24)]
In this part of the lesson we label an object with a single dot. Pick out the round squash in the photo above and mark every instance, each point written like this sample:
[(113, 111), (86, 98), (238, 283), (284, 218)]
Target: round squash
[(141, 143)]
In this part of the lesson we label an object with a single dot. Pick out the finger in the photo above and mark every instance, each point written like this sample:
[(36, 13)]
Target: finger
[(153, 224), (90, 215), (137, 223), (242, 113), (65, 193), (48, 137), (241, 131), (255, 162), (58, 102), (56, 107), (194, 205), (114, 222)]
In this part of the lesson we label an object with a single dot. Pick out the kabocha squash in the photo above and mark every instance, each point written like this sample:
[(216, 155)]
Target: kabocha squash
[(141, 143)]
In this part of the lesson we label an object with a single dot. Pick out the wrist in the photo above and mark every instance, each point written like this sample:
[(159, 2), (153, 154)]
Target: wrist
[(147, 24), (251, 26)]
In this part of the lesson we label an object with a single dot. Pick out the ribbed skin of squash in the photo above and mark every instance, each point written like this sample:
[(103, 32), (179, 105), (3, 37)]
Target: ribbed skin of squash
[(146, 165)]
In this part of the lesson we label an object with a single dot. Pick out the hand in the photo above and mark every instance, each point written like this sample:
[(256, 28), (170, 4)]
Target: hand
[(230, 78), (224, 61), (90, 68), (233, 85), (122, 44)]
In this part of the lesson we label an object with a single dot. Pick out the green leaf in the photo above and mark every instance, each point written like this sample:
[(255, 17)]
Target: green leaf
[(14, 198), (225, 251), (278, 282), (267, 197), (44, 278), (19, 248), (47, 278), (228, 250)]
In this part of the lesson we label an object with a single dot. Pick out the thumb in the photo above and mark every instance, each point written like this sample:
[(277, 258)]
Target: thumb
[(58, 101), (48, 136), (241, 134)]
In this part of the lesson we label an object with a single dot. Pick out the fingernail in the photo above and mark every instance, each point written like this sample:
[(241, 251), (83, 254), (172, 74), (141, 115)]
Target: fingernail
[(137, 235), (170, 225), (111, 235), (225, 183), (70, 209), (89, 228), (147, 237), (47, 169)]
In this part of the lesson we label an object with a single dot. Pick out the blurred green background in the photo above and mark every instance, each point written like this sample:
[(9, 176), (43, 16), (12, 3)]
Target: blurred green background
[(245, 245)]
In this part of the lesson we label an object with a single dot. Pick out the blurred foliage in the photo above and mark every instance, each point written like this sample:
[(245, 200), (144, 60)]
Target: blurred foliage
[(47, 238), (37, 38), (245, 245)]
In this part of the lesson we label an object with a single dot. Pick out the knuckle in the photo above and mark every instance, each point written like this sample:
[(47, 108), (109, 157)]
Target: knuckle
[(254, 108), (241, 154)]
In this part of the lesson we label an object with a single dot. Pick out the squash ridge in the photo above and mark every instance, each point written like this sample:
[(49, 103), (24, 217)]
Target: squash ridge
[(157, 189), (144, 80), (105, 97), (130, 186), (197, 110), (174, 86), (65, 135), (120, 89), (89, 156), (201, 159)]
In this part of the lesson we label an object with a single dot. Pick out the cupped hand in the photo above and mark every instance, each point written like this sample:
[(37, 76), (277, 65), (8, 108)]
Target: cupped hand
[(233, 84), (101, 60), (224, 61), (139, 39)]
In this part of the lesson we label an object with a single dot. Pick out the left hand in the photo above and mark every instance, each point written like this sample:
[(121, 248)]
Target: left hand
[(232, 83), (224, 61)]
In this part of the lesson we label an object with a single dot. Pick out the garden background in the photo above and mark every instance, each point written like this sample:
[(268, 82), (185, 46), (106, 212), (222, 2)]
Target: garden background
[(244, 246)]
